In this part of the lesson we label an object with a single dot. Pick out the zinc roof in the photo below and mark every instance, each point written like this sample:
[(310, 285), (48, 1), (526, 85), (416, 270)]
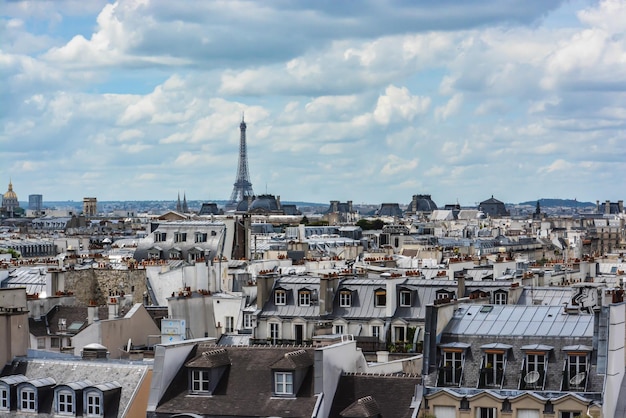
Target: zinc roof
[(515, 320)]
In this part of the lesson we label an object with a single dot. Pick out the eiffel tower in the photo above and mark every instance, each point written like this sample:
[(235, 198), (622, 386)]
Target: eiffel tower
[(242, 187)]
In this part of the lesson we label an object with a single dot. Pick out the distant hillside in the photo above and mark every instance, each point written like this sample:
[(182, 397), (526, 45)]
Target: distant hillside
[(551, 203)]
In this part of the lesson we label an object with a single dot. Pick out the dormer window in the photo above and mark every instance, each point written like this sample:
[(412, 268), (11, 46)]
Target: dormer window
[(535, 366), (444, 294), (289, 372), (380, 298), (405, 298), (93, 404), (4, 398), (206, 370), (577, 367), (8, 390), (199, 381), (304, 297), (280, 297), (493, 365), (345, 298), (500, 297), (65, 402), (283, 383), (28, 399), (452, 364)]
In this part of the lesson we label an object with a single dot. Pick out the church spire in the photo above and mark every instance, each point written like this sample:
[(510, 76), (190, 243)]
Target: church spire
[(179, 208)]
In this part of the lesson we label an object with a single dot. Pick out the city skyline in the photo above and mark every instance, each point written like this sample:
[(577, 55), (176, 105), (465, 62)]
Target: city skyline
[(371, 102)]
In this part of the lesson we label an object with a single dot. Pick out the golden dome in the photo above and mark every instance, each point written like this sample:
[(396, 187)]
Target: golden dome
[(10, 194)]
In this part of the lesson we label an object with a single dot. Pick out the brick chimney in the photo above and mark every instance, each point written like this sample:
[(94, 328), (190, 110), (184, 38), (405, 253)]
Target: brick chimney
[(113, 307)]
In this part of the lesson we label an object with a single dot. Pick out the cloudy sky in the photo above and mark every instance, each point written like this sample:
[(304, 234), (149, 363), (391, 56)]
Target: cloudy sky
[(370, 101)]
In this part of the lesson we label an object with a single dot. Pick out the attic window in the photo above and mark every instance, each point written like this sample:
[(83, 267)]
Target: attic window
[(200, 381), (405, 298), (486, 309), (280, 297), (345, 298), (380, 298), (283, 383), (304, 297)]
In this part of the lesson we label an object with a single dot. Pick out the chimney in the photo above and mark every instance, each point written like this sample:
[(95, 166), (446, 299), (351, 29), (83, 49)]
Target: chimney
[(460, 292), (328, 287), (350, 206), (620, 206), (113, 307), (607, 207), (597, 206), (264, 285), (278, 202), (92, 314)]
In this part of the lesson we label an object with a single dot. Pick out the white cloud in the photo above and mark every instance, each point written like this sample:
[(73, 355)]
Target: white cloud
[(341, 101), (450, 108)]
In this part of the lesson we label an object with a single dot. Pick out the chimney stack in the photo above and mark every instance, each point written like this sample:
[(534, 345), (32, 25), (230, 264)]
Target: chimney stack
[(113, 307)]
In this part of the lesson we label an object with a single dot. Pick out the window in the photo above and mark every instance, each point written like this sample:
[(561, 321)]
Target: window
[(380, 298), (443, 295), (500, 298), (274, 334), (199, 381), (4, 398), (444, 411), (405, 298), (527, 413), (486, 413), (160, 236), (280, 297), (338, 329), (230, 324), (180, 237), (200, 237), (399, 333), (570, 414), (452, 367), (65, 402), (41, 343), (248, 321), (376, 331), (94, 404), (304, 298), (534, 370), (55, 342), (283, 383), (27, 400), (345, 299), (577, 370), (493, 368)]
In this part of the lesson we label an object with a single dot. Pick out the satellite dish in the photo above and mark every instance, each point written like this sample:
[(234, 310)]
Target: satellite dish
[(532, 377), (577, 379)]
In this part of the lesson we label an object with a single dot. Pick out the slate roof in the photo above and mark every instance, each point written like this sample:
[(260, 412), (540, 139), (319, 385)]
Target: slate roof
[(73, 314), (364, 407), (103, 374), (363, 296), (291, 285), (245, 389), (393, 394)]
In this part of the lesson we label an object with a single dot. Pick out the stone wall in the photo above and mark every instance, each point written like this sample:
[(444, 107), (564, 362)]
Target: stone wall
[(97, 284)]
